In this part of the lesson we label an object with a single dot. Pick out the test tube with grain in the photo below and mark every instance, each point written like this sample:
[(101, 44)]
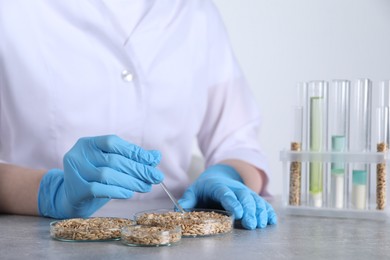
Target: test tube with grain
[(339, 96), (317, 134), (382, 124), (361, 141), (296, 166)]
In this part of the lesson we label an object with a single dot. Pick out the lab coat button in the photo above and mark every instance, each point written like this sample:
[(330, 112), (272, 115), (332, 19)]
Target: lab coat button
[(127, 76)]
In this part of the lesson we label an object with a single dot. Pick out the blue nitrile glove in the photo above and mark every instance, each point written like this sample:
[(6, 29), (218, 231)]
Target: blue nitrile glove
[(97, 169), (223, 185)]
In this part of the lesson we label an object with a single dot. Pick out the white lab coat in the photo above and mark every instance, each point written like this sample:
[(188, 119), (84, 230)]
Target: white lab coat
[(70, 69)]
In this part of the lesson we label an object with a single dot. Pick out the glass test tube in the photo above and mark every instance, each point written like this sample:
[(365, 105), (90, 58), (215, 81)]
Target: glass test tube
[(302, 102), (359, 189), (361, 141), (339, 128), (384, 93), (385, 102), (382, 124), (295, 167), (317, 136)]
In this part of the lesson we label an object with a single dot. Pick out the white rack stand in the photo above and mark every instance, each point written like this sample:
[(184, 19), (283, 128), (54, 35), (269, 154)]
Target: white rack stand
[(372, 158)]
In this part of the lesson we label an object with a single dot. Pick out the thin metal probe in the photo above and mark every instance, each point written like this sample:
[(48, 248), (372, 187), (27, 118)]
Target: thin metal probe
[(173, 199)]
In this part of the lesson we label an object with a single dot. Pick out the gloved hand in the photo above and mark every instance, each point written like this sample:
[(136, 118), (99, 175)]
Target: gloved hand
[(97, 169), (222, 184)]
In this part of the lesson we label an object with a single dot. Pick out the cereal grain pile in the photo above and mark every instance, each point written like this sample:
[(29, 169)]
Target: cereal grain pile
[(99, 228), (193, 223)]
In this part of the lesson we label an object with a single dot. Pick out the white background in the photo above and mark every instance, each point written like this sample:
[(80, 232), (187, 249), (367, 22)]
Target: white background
[(279, 43)]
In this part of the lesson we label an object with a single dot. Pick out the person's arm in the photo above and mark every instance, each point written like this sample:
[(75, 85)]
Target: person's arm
[(19, 189), (96, 169), (253, 178)]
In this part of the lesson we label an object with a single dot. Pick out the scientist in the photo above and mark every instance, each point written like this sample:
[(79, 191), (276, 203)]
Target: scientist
[(101, 100)]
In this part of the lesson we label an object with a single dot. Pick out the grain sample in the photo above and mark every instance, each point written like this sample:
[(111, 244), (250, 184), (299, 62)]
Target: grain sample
[(88, 229), (381, 180), (194, 222), (141, 235), (295, 178)]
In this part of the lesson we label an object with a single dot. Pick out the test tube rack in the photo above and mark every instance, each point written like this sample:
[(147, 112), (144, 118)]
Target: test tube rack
[(296, 194), (331, 168)]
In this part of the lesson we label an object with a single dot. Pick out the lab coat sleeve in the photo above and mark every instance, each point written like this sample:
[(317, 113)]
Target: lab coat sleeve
[(231, 122)]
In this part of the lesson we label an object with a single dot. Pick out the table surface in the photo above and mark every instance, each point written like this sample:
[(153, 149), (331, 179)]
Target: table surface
[(294, 237)]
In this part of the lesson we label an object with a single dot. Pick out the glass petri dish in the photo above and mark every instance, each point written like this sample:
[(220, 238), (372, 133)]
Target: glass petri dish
[(150, 236), (89, 229), (194, 222)]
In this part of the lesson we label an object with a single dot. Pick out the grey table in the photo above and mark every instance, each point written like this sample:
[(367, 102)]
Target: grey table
[(294, 237)]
